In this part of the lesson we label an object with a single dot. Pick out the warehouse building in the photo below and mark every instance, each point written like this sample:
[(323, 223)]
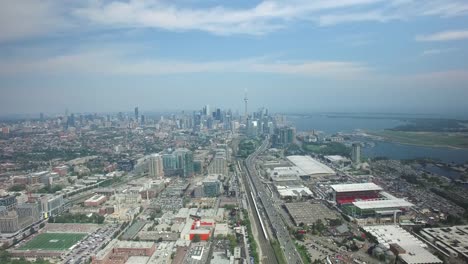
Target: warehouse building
[(450, 240), (311, 167), (407, 248)]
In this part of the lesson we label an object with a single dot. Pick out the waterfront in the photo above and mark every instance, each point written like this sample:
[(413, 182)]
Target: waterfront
[(391, 150)]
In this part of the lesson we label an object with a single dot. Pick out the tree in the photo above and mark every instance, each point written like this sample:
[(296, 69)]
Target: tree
[(299, 236), (17, 188), (335, 222), (196, 238)]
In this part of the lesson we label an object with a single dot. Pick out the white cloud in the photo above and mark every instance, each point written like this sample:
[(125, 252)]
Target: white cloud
[(430, 52), (444, 36), (267, 16), (31, 18), (448, 76), (112, 63), (329, 20), (263, 18)]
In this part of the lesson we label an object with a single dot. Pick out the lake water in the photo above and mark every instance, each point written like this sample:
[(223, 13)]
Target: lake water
[(331, 125)]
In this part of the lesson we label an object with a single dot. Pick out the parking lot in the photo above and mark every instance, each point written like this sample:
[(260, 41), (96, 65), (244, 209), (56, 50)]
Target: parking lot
[(90, 245)]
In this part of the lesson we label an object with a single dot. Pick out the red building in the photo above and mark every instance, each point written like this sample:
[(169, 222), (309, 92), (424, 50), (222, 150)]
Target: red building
[(201, 228), (349, 193), (118, 252)]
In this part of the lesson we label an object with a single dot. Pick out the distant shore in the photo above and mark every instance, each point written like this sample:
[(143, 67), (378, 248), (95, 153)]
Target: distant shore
[(424, 139)]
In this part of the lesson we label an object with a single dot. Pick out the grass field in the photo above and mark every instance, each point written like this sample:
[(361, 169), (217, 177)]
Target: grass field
[(430, 139), (52, 241)]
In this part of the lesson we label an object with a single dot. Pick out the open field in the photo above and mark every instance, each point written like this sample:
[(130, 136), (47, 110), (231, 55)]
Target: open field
[(429, 139), (52, 241)]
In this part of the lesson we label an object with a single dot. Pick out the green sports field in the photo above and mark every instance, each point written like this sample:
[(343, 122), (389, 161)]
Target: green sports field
[(52, 241)]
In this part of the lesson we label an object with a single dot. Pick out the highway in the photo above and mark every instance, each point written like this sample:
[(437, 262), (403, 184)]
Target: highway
[(274, 218)]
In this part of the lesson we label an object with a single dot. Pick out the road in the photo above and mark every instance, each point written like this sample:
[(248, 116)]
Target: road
[(274, 218)]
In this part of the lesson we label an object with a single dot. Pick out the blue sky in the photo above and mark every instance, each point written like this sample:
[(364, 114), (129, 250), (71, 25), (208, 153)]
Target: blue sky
[(297, 55)]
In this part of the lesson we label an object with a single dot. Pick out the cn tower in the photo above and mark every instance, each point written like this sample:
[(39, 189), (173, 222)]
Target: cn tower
[(245, 101)]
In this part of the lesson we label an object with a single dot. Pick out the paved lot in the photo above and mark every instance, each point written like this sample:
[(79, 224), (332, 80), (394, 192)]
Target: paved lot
[(91, 244), (308, 213)]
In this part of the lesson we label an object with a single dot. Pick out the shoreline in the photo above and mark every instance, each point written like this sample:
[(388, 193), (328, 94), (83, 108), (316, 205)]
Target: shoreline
[(392, 140)]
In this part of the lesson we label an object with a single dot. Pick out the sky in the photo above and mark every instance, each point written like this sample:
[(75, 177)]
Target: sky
[(289, 56)]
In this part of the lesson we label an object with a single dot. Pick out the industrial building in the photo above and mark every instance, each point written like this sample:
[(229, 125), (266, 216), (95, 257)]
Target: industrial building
[(279, 174), (310, 166), (450, 240), (294, 192), (337, 160), (407, 248)]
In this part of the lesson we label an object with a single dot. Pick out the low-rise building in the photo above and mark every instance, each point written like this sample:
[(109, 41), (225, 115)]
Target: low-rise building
[(450, 240), (118, 252), (95, 200), (407, 248)]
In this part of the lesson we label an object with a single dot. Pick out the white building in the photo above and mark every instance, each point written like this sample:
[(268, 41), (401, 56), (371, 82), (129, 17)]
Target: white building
[(410, 249), (310, 166)]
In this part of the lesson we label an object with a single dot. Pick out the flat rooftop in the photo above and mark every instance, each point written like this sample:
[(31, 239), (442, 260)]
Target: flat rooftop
[(95, 198), (455, 237), (416, 252), (356, 187), (137, 260), (310, 166), (336, 158), (294, 191), (382, 204), (133, 244), (309, 213)]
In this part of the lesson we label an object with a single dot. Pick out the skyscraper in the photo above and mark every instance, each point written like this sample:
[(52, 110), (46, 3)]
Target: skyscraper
[(184, 161), (356, 153), (169, 164), (156, 167), (136, 113), (206, 110), (284, 136)]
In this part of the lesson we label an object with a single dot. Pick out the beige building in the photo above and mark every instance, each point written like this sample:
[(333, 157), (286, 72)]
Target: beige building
[(156, 168)]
